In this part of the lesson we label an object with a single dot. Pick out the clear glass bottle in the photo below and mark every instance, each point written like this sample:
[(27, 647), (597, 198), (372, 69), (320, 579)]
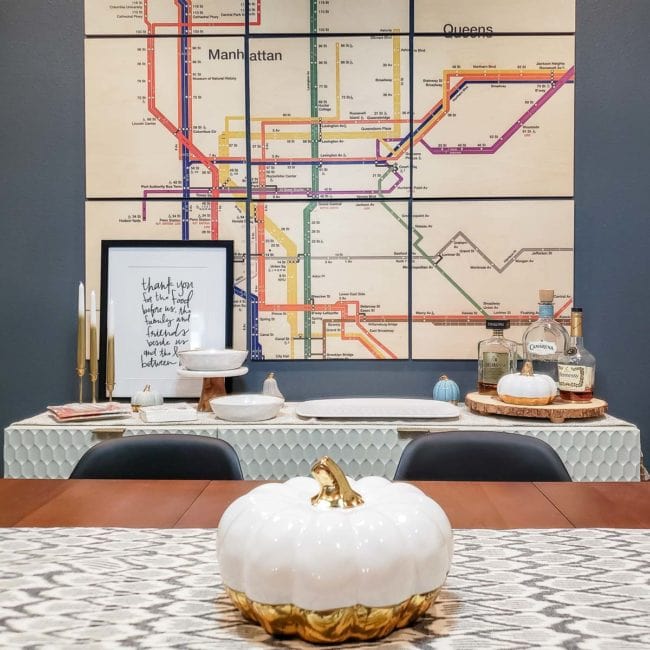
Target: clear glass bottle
[(577, 367), (545, 339), (497, 356)]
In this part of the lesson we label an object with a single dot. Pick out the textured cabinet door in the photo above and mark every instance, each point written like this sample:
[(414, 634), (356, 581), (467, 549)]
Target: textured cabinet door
[(601, 449)]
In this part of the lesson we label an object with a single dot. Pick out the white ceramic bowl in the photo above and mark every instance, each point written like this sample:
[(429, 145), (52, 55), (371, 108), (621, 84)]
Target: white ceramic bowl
[(251, 407), (211, 359)]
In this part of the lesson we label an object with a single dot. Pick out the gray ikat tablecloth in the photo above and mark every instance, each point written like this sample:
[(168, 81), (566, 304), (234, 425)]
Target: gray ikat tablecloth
[(102, 588)]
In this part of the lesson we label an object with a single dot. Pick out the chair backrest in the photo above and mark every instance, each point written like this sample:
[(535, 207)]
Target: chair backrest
[(480, 456), (160, 456)]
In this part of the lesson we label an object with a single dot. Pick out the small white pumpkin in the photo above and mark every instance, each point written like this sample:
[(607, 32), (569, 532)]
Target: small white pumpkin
[(526, 388), (334, 559), (146, 397)]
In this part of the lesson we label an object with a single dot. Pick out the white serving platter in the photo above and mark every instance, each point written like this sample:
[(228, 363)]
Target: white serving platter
[(377, 408)]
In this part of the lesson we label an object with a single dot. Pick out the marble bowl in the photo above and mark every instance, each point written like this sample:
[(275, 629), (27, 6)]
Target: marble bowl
[(211, 359), (246, 407)]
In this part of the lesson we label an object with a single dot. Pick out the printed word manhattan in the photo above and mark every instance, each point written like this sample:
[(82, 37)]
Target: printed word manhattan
[(259, 55)]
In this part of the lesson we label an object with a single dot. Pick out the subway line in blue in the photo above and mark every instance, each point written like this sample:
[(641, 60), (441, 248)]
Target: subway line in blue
[(185, 126), (247, 295), (187, 163)]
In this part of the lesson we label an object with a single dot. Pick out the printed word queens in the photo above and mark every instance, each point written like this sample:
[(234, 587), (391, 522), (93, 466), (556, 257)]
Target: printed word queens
[(465, 31)]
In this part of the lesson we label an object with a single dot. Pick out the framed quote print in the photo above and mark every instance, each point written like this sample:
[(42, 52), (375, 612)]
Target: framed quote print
[(165, 297)]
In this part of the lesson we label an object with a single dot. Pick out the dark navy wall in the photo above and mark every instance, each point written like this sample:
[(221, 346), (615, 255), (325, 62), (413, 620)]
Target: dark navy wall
[(42, 194)]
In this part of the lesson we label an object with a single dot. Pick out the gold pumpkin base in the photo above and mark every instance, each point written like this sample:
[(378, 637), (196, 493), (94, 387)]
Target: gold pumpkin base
[(527, 401), (357, 622)]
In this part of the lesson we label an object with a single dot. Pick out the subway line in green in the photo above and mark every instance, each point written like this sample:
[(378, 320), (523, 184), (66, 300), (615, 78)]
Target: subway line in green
[(311, 206), (419, 249)]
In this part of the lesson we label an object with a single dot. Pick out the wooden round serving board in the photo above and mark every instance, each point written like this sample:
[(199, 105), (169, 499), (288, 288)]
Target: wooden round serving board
[(558, 411)]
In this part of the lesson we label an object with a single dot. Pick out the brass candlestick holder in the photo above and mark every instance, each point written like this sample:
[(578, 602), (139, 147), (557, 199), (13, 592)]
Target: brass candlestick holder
[(93, 363), (81, 352), (93, 388), (110, 367), (80, 373)]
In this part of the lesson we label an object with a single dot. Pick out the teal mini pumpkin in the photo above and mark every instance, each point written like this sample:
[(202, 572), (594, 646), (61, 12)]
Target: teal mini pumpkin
[(446, 390)]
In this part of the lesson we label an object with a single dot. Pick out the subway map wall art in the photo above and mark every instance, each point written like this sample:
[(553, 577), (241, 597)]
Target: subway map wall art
[(391, 172)]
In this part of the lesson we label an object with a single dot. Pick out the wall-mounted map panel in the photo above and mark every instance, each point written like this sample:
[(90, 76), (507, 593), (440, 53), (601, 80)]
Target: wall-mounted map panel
[(330, 280), (477, 259), (196, 17), (392, 171), (493, 117), (165, 117), (480, 18), (331, 137)]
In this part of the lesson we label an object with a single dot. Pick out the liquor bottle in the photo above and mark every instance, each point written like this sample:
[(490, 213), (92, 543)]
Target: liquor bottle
[(497, 356), (545, 339), (577, 367)]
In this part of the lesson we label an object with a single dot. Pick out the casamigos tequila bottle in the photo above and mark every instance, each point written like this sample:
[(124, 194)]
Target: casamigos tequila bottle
[(545, 340)]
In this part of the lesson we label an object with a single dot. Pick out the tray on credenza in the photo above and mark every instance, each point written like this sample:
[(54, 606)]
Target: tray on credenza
[(377, 408), (556, 412)]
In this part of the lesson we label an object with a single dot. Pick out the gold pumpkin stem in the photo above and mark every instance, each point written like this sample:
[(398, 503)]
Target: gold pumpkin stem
[(335, 491), (527, 369)]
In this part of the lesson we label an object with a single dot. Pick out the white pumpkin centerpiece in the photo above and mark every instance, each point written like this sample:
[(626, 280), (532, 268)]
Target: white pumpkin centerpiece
[(526, 388), (334, 559)]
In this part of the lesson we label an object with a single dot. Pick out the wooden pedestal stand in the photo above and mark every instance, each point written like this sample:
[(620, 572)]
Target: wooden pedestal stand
[(212, 387), (556, 412), (214, 384)]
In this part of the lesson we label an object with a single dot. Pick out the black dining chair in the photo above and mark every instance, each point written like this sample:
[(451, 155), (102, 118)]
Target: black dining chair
[(480, 456), (160, 456)]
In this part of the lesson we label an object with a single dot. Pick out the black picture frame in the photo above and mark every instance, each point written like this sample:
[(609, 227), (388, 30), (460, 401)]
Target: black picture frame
[(168, 296)]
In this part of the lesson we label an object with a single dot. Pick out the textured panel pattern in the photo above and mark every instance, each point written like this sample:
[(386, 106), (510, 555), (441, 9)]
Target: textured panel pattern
[(114, 588), (283, 453), (596, 455), (53, 452), (606, 450)]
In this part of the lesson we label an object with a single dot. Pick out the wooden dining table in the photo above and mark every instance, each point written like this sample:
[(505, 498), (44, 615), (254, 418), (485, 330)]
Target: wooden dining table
[(120, 564), (200, 504)]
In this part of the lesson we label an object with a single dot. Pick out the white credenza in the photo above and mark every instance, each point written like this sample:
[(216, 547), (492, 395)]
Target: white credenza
[(598, 449)]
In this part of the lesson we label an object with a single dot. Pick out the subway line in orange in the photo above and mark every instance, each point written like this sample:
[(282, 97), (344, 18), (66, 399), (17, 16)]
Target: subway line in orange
[(432, 117)]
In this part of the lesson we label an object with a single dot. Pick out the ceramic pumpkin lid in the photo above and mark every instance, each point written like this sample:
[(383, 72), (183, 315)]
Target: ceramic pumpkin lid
[(331, 559)]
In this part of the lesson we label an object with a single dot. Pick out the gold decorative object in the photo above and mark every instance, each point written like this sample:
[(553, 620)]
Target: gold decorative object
[(334, 566), (110, 350), (356, 623), (93, 364), (335, 490), (94, 350), (110, 367)]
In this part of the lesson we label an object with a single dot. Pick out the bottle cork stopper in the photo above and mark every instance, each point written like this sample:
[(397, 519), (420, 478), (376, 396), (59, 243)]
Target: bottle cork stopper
[(546, 295)]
